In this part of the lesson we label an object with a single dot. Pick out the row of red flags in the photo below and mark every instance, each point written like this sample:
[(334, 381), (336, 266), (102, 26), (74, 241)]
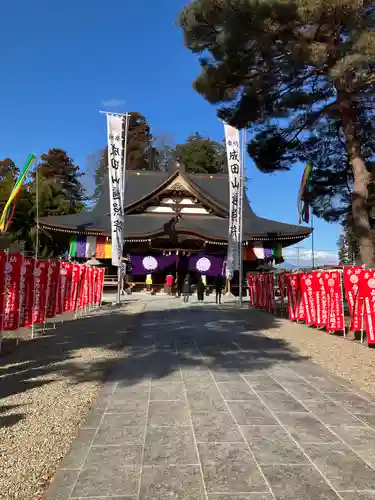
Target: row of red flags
[(317, 297), (33, 290)]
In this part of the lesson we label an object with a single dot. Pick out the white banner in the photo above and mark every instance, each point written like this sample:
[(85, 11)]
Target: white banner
[(232, 142), (116, 182)]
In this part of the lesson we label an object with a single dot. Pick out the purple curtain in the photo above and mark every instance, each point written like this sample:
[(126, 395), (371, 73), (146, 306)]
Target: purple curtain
[(151, 263), (81, 246), (267, 254), (210, 265)]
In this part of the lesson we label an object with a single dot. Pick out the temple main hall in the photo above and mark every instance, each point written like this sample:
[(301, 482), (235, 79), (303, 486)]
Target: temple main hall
[(175, 223)]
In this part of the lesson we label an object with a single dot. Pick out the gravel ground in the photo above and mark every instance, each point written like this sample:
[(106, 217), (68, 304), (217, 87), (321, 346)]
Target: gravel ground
[(349, 359), (46, 389)]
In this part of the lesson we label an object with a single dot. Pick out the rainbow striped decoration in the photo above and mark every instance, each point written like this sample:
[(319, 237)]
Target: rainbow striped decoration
[(260, 252), (304, 190), (83, 246), (10, 206)]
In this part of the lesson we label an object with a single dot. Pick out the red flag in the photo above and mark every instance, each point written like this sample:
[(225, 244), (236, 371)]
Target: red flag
[(27, 292), (41, 289), (99, 286), (3, 259), (352, 278), (308, 298), (53, 282), (332, 284), (76, 275), (12, 292), (367, 293)]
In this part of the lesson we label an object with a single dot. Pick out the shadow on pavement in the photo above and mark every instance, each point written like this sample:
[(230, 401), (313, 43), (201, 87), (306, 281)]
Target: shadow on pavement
[(153, 344)]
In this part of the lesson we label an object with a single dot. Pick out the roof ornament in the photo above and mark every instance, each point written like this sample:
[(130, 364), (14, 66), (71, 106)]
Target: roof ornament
[(178, 166)]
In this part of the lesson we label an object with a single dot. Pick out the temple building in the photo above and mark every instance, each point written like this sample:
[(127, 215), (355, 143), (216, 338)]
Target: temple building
[(175, 222)]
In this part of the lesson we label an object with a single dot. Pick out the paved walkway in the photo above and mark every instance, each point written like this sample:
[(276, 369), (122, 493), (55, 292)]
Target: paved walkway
[(206, 407)]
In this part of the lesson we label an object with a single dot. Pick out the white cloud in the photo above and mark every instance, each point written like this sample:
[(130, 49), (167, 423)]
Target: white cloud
[(113, 103), (322, 257)]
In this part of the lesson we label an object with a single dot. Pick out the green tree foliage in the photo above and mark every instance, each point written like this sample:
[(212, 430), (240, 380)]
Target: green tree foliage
[(297, 73), (61, 189), (201, 155)]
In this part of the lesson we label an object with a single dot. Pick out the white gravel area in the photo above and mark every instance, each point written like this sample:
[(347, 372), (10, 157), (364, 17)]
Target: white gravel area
[(46, 389), (353, 361)]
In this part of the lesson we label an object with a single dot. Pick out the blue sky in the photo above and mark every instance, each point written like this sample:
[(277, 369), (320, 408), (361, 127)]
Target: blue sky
[(61, 61)]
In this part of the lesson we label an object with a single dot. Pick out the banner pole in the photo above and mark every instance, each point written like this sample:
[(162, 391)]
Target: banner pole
[(47, 295), (312, 241), (341, 274), (36, 251), (242, 166)]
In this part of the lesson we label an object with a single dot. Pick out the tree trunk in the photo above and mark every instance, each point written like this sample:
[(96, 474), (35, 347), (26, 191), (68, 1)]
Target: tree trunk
[(361, 223)]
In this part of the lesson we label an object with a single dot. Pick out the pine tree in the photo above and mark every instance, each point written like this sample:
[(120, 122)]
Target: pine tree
[(201, 155), (292, 71), (60, 177)]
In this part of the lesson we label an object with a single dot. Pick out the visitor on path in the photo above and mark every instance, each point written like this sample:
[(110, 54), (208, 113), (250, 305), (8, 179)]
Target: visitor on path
[(200, 290), (186, 288), (149, 282), (218, 288), (169, 283)]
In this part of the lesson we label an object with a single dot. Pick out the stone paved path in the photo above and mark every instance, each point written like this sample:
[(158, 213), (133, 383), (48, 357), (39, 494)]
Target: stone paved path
[(206, 407)]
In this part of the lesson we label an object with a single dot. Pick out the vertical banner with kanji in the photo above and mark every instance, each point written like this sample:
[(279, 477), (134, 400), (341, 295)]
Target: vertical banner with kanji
[(3, 260), (251, 285), (76, 275), (308, 298), (27, 292), (99, 286), (53, 282), (64, 288), (367, 293), (292, 287), (232, 142), (352, 277), (320, 299), (41, 290), (116, 174), (12, 293), (281, 287), (332, 284)]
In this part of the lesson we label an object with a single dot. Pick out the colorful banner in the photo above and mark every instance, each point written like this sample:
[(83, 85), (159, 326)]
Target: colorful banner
[(116, 177), (321, 300), (27, 292), (41, 290), (53, 283), (292, 287), (12, 291), (232, 142)]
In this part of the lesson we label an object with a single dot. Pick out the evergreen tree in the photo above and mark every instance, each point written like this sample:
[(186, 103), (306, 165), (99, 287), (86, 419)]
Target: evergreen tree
[(291, 71), (201, 155), (60, 179)]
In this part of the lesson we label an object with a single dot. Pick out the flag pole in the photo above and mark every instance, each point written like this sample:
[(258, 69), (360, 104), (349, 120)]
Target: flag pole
[(312, 241), (36, 250), (242, 169)]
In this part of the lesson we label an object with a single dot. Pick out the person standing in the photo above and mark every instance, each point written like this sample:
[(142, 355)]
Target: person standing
[(186, 288), (200, 290), (169, 283), (218, 288)]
